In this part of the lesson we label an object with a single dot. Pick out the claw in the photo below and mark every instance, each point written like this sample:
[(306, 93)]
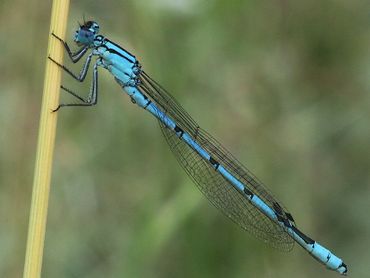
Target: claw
[(55, 36), (55, 62), (56, 109)]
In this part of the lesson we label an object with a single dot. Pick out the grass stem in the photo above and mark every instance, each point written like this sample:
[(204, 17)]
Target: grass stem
[(45, 146)]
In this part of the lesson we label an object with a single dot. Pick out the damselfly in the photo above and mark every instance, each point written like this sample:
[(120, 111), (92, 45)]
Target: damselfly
[(219, 175)]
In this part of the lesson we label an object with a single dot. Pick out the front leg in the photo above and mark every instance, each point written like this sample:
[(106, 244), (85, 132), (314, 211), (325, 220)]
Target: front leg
[(75, 57)]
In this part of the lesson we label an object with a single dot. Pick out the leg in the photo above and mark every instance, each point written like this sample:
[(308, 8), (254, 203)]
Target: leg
[(92, 98), (83, 71), (75, 57)]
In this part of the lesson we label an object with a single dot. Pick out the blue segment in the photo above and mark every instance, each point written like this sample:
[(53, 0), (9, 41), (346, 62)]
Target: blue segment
[(122, 65), (237, 184), (115, 61), (161, 116), (244, 198), (265, 208), (186, 137)]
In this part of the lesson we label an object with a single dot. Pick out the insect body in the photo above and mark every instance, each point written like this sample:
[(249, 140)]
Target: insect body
[(218, 174)]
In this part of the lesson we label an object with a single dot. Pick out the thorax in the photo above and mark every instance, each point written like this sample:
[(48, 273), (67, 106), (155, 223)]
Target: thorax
[(122, 64)]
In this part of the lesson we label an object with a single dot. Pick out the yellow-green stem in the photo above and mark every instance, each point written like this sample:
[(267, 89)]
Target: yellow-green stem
[(45, 146)]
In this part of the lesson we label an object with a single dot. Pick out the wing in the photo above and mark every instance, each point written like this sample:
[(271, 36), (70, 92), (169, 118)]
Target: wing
[(213, 185)]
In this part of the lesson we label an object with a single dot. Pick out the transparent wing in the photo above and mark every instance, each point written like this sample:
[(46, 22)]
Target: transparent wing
[(213, 185)]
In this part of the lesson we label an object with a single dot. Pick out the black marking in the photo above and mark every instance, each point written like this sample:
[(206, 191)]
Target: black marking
[(88, 24), (284, 220), (147, 104), (179, 130), (280, 215), (289, 216), (111, 50), (248, 192), (278, 208), (306, 239), (214, 162), (121, 48)]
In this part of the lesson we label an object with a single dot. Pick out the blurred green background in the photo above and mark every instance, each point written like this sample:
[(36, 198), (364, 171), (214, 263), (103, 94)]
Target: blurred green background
[(284, 85)]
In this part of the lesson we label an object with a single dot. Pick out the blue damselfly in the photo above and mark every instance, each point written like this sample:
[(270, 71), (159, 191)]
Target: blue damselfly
[(218, 174)]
